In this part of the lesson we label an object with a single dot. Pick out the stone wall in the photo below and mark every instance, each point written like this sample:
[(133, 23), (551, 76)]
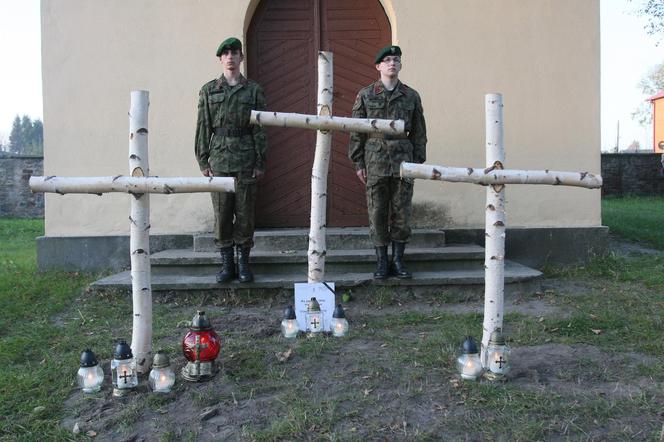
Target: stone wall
[(16, 200), (632, 174)]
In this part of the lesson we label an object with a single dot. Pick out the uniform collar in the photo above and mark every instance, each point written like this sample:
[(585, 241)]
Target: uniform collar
[(222, 82), (399, 89)]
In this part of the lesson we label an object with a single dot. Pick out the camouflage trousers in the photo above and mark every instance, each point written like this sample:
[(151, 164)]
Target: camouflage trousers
[(390, 204), (234, 212)]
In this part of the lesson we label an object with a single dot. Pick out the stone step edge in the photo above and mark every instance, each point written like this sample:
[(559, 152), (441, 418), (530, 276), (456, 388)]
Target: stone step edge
[(448, 253), (514, 273)]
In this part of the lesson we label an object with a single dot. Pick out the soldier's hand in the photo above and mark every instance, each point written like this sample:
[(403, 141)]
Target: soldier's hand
[(258, 174), (207, 172), (362, 175)]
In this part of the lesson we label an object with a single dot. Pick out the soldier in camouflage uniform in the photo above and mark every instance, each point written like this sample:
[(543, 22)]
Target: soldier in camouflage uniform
[(377, 158), (227, 146)]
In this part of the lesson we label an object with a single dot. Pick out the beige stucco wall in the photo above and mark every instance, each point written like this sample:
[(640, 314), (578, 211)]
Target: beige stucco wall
[(543, 56)]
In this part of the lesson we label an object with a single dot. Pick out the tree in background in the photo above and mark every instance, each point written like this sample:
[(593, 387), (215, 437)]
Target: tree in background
[(651, 83), (653, 10), (26, 137)]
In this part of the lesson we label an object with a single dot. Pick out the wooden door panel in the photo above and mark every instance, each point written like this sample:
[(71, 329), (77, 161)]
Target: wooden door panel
[(283, 39)]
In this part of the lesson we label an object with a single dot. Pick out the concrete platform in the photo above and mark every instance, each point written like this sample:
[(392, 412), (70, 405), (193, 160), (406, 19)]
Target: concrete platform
[(514, 273)]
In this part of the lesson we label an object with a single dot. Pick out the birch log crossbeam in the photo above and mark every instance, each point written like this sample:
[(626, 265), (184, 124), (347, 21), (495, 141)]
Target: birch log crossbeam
[(316, 122), (127, 184), (495, 176)]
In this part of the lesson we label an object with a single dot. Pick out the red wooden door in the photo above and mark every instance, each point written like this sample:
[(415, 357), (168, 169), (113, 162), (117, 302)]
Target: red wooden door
[(283, 40)]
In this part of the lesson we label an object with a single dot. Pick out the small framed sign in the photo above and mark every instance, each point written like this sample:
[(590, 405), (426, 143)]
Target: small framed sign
[(324, 294)]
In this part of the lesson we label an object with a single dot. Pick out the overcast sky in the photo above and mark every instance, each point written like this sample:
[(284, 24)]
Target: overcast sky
[(627, 54)]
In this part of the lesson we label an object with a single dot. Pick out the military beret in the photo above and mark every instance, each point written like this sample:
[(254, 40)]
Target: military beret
[(229, 43), (387, 50)]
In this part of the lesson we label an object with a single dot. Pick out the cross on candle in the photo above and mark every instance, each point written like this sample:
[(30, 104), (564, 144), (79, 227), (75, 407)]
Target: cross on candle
[(124, 376), (198, 346), (501, 361), (315, 322)]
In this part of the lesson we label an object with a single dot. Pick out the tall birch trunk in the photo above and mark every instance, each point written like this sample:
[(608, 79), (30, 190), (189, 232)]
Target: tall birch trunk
[(139, 237), (328, 122), (494, 249), (317, 229)]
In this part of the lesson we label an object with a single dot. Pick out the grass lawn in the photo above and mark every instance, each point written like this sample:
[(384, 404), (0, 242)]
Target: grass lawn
[(637, 218), (587, 361)]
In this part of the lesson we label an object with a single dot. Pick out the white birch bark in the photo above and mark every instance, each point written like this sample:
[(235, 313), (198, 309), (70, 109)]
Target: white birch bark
[(139, 237), (128, 184), (317, 226), (324, 122), (490, 176), (494, 249)]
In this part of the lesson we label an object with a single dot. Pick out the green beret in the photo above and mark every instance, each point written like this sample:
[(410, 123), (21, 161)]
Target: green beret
[(387, 50), (229, 43)]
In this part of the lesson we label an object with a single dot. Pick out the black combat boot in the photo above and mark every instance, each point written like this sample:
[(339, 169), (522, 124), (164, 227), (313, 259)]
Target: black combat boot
[(227, 272), (398, 268), (244, 273), (381, 263)]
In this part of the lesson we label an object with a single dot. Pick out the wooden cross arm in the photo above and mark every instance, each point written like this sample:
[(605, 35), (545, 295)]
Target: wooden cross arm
[(495, 175), (315, 122), (126, 184)]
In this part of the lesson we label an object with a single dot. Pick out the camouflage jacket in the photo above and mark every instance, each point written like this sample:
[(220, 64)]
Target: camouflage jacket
[(223, 106), (382, 157)]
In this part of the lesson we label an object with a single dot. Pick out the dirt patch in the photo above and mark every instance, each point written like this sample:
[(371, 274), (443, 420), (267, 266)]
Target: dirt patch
[(393, 383)]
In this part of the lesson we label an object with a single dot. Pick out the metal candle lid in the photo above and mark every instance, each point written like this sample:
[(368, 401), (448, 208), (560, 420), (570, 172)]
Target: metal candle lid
[(200, 322), (469, 346), (160, 360), (122, 351), (88, 358), (313, 306), (289, 312), (497, 338), (339, 312)]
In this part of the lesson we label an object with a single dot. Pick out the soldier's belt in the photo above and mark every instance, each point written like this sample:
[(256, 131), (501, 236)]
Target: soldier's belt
[(387, 136), (231, 131)]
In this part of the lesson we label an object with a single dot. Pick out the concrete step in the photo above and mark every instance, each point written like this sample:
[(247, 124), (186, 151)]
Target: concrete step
[(337, 238), (192, 263), (514, 274)]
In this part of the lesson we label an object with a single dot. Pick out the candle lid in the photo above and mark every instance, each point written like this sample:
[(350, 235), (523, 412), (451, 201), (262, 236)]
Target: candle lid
[(88, 358), (313, 306), (497, 338), (469, 346), (339, 312), (122, 351), (289, 312), (160, 360), (200, 322)]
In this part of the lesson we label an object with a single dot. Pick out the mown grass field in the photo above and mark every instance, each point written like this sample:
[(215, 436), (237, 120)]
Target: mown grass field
[(393, 378)]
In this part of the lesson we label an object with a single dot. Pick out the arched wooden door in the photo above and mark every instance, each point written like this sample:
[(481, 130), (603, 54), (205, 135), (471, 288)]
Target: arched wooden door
[(283, 41)]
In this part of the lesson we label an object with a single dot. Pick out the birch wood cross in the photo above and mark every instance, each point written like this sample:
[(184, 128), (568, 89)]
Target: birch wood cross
[(324, 123), (140, 185), (496, 177)]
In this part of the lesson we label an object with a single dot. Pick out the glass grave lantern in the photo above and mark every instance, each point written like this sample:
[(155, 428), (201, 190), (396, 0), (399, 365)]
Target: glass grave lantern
[(498, 357), (314, 318), (201, 347), (123, 370), (339, 323), (289, 327), (162, 377), (469, 364), (90, 375)]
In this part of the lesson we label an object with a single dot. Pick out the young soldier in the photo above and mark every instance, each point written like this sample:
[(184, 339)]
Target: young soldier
[(227, 146), (377, 158)]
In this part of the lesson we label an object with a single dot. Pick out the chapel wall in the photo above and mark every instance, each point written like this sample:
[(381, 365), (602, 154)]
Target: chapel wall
[(543, 56)]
